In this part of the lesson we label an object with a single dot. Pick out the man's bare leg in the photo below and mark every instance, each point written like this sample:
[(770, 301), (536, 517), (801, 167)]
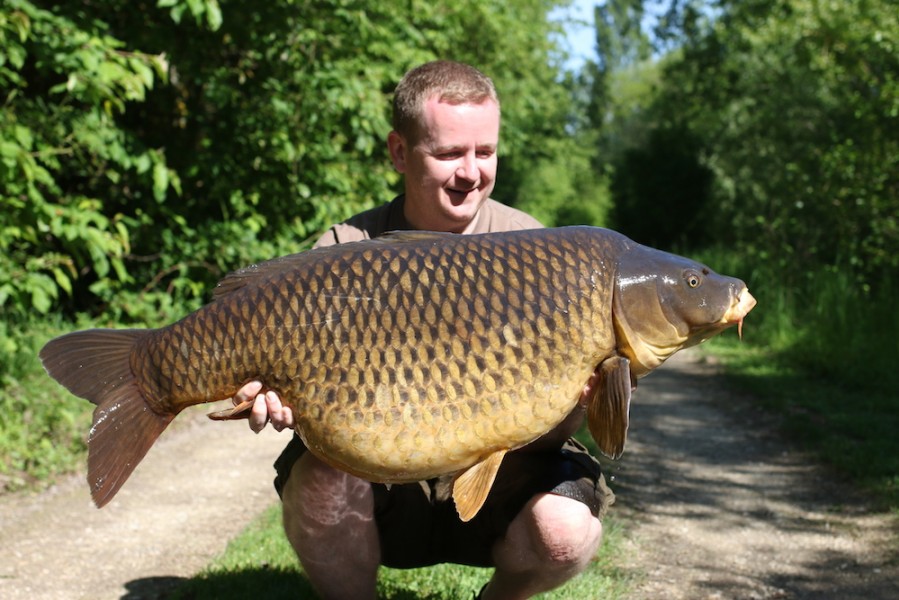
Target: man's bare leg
[(329, 520), (551, 540)]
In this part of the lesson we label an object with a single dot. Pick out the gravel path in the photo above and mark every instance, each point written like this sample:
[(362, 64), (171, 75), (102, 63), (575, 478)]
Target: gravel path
[(719, 507), (197, 487), (716, 506)]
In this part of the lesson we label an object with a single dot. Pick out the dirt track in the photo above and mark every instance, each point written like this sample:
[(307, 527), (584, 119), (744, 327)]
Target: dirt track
[(197, 488), (720, 507), (717, 506)]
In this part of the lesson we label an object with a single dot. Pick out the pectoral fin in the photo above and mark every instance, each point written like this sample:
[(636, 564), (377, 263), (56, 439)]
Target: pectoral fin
[(608, 409), (239, 411), (471, 487)]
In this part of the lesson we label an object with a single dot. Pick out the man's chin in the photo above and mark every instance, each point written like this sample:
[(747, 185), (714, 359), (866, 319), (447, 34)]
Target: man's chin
[(463, 212)]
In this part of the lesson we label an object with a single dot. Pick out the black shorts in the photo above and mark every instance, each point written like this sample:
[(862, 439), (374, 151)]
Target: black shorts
[(417, 522)]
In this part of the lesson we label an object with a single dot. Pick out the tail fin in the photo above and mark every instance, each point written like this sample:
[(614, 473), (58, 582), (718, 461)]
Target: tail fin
[(96, 365)]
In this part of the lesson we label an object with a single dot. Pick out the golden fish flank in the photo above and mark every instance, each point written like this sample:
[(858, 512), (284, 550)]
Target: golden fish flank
[(410, 356)]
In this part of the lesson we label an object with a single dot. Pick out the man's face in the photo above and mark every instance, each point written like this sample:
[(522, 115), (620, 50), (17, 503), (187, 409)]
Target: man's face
[(450, 168)]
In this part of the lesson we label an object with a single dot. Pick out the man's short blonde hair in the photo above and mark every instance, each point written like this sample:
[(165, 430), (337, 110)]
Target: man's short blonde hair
[(452, 82)]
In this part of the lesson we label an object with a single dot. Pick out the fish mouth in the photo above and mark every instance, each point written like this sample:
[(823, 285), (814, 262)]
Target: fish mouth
[(738, 310)]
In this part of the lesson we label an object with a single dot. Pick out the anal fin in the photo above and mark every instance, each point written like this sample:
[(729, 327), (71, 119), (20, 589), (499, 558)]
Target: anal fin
[(471, 487)]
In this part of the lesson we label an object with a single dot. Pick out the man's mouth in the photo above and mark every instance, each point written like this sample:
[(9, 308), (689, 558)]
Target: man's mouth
[(454, 193)]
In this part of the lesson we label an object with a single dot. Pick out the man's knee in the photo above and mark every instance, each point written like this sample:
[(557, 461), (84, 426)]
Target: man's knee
[(554, 532), (329, 521), (569, 532)]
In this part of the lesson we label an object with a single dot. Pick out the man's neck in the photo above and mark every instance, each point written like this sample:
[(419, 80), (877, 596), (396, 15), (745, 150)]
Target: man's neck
[(423, 224)]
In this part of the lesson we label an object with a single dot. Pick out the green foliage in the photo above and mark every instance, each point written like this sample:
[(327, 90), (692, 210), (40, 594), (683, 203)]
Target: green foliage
[(791, 106), (146, 151), (203, 11), (798, 105), (822, 354), (63, 85), (565, 190)]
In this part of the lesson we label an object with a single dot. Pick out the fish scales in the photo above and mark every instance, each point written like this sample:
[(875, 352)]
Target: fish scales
[(410, 356), (484, 323)]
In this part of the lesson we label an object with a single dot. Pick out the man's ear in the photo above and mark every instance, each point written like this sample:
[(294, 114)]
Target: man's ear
[(396, 144)]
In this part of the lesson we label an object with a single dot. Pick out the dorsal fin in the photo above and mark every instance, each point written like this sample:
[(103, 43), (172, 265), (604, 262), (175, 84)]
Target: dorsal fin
[(399, 236), (471, 487), (247, 275)]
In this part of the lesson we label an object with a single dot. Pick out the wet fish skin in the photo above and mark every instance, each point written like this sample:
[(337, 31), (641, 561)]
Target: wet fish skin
[(410, 356)]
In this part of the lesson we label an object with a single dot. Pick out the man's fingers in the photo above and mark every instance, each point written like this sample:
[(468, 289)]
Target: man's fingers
[(266, 407), (259, 414), (248, 391), (280, 415)]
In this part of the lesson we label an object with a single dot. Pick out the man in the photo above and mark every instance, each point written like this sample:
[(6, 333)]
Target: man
[(540, 525)]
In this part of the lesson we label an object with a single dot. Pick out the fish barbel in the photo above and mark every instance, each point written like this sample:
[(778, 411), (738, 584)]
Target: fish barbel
[(410, 356)]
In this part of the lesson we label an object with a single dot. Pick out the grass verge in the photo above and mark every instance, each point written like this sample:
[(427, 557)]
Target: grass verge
[(260, 563), (851, 428), (42, 426)]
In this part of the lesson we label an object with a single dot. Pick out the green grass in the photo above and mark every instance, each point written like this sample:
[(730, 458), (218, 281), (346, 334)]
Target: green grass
[(260, 563), (850, 427), (42, 426)]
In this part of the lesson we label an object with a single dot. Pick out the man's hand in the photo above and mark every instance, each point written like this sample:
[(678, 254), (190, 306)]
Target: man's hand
[(266, 407)]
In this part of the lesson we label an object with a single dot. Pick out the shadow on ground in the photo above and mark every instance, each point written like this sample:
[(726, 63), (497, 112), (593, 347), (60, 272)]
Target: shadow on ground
[(271, 584), (258, 582)]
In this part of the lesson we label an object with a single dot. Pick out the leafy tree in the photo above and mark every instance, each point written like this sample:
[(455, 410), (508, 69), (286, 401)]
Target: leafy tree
[(149, 147), (64, 86), (802, 128), (792, 105)]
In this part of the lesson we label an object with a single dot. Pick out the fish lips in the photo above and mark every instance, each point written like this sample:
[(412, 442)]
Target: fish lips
[(745, 302)]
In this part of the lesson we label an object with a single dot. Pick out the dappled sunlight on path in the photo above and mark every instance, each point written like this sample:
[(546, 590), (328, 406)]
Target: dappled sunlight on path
[(720, 506)]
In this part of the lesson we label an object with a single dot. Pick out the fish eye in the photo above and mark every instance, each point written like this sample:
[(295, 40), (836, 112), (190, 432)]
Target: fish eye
[(693, 279)]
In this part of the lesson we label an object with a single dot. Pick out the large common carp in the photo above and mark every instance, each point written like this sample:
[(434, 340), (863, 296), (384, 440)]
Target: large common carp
[(412, 355)]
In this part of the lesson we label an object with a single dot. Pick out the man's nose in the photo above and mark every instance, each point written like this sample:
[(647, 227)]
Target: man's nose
[(468, 169)]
